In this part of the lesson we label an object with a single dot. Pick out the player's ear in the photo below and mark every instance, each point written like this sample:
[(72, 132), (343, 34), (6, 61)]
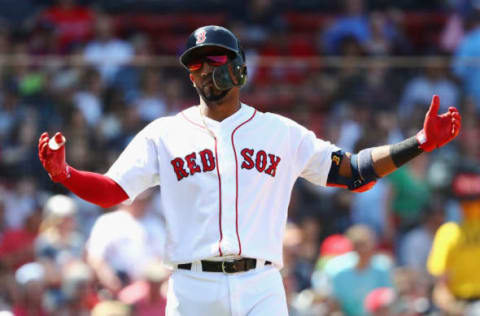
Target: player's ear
[(191, 79)]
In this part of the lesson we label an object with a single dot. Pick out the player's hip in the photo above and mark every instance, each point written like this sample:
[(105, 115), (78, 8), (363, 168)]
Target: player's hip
[(219, 293)]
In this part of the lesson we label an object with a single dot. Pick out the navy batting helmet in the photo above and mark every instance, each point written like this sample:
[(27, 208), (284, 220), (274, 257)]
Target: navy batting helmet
[(233, 73)]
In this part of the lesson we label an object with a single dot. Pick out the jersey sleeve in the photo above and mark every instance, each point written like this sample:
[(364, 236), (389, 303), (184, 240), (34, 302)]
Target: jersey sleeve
[(137, 168), (313, 157), (442, 243)]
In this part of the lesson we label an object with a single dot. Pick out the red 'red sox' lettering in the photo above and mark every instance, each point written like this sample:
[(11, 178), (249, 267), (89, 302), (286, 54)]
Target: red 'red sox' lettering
[(208, 161), (247, 158), (260, 162), (177, 164), (191, 164), (274, 161)]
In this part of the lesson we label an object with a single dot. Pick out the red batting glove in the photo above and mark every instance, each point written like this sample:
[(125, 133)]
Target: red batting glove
[(438, 129), (53, 160)]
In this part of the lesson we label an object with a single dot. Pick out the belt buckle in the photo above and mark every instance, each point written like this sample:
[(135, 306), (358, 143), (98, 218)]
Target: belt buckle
[(223, 267)]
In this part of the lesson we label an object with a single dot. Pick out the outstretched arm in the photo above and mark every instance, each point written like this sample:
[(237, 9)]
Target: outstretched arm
[(92, 187), (359, 172)]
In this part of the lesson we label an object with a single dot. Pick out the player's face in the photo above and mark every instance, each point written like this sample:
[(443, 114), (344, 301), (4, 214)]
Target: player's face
[(201, 69)]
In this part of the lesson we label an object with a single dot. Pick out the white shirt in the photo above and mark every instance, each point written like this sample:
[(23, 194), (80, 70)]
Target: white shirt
[(108, 56), (227, 194), (90, 106), (123, 242)]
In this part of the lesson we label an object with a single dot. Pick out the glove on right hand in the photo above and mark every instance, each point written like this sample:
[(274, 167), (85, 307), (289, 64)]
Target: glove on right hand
[(53, 157)]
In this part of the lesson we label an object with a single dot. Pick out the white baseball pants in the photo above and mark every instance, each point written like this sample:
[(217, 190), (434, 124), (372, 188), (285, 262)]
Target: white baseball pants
[(258, 292)]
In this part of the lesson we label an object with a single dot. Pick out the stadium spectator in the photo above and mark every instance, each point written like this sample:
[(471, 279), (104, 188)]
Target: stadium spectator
[(379, 301), (362, 267), (410, 193), (333, 246), (174, 99), (378, 44), (353, 22), (259, 18), (78, 290), (59, 242), (412, 292), (128, 77), (148, 296), (17, 15), (89, 100), (111, 308), (18, 152), (72, 23), (17, 244), (12, 111), (150, 103), (120, 245), (417, 243), (462, 67), (29, 300), (456, 247), (306, 254), (106, 52), (433, 79), (371, 208)]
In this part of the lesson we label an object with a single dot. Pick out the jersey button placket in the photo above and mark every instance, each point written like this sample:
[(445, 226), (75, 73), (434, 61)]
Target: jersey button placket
[(227, 167)]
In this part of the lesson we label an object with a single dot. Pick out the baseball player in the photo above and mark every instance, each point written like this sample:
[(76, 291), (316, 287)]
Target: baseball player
[(226, 172)]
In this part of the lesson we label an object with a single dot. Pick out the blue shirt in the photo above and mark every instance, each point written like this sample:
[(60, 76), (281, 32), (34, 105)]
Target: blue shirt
[(470, 75), (351, 286)]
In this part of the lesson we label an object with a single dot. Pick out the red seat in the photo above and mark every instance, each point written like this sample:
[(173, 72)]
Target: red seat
[(175, 23), (307, 22)]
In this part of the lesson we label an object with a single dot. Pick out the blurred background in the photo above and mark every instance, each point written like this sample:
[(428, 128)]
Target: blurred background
[(360, 73)]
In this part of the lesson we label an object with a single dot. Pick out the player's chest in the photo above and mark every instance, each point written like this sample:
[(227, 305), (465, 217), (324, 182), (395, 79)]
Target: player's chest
[(246, 153)]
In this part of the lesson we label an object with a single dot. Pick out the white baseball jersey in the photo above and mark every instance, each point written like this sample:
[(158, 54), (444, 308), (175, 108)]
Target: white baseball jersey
[(225, 185)]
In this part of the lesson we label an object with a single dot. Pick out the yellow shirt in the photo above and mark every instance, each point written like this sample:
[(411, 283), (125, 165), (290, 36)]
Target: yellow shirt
[(456, 254)]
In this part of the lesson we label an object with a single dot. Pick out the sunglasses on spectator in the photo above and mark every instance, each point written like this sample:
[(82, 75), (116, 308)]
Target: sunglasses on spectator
[(214, 60)]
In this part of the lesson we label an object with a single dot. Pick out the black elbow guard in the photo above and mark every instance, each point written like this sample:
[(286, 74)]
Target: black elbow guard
[(363, 175)]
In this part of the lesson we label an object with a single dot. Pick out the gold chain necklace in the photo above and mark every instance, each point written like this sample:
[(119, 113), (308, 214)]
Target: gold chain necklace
[(205, 123)]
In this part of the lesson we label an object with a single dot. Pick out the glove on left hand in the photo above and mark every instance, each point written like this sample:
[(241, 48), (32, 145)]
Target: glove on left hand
[(438, 129)]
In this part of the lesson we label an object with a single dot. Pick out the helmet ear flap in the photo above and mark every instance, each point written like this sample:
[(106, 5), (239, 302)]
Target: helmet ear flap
[(232, 74), (242, 54), (244, 66), (244, 74)]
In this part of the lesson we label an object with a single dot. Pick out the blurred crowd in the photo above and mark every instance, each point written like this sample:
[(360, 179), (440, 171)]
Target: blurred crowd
[(98, 71)]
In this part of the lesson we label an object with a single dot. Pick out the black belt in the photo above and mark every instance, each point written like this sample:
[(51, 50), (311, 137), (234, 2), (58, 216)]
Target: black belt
[(239, 265)]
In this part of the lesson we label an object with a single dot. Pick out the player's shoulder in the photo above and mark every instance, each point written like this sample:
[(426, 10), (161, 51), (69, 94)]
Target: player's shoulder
[(274, 117), (165, 123), (277, 119)]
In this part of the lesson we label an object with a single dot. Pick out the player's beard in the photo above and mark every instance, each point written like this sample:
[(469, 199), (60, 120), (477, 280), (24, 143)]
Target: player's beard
[(209, 93)]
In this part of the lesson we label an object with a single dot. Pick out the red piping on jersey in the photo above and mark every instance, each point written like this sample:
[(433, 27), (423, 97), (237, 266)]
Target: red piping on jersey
[(236, 180), (219, 186), (219, 201), (192, 122)]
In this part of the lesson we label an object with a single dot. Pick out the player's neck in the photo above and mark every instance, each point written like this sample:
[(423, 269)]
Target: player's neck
[(219, 111)]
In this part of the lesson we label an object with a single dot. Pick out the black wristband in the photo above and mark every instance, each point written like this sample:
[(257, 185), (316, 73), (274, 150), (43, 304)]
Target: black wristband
[(405, 151)]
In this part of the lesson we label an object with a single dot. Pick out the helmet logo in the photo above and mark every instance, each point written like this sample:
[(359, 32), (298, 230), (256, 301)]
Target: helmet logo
[(201, 37)]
